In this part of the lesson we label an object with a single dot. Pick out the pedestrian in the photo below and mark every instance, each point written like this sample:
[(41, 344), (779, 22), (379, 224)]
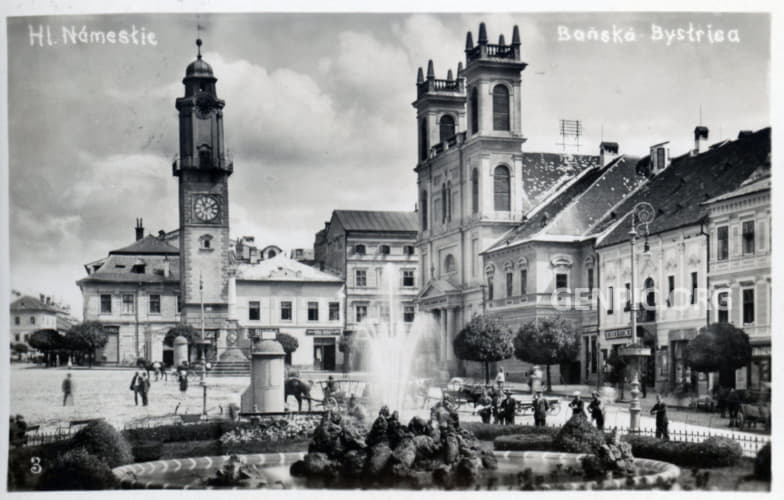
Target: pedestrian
[(496, 409), (508, 407), (135, 384), (485, 407), (577, 405), (660, 410), (68, 388), (500, 378), (156, 366), (145, 388), (182, 377), (541, 407), (596, 409), (733, 405)]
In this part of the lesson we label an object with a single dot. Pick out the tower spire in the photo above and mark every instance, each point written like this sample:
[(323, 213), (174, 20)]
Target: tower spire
[(431, 74), (482, 34), (420, 75), (198, 48), (469, 41)]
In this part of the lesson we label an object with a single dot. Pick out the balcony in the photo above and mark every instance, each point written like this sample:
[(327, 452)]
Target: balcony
[(493, 50), (437, 85), (226, 164), (450, 143)]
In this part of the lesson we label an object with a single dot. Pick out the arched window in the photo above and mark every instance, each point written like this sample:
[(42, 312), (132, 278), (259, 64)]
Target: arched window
[(423, 204), (443, 203), (423, 139), (384, 249), (501, 189), (475, 191), (449, 264), (649, 307), (449, 200), (474, 111), (360, 249), (446, 128), (500, 108)]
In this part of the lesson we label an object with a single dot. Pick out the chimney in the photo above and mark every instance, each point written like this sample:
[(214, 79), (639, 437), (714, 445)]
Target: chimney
[(161, 235), (608, 151), (139, 230), (700, 140), (42, 298)]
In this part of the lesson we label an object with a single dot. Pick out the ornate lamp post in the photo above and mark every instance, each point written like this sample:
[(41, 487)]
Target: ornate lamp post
[(643, 213)]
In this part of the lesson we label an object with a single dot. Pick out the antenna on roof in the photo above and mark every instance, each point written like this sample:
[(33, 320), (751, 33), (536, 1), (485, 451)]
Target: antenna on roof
[(570, 129)]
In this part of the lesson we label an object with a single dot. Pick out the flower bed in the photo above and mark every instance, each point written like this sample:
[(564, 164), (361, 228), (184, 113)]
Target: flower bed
[(271, 431), (488, 432), (524, 442)]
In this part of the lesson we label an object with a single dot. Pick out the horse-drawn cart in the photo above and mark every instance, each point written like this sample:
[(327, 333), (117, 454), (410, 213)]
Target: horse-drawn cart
[(338, 392)]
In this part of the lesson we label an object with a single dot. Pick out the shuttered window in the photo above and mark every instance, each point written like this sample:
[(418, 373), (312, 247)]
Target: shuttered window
[(500, 108), (501, 188)]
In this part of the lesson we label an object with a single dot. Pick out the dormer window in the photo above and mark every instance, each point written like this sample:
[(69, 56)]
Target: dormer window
[(360, 249), (138, 267), (384, 249), (205, 242)]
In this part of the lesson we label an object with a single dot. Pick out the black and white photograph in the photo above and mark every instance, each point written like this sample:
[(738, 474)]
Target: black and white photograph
[(454, 248)]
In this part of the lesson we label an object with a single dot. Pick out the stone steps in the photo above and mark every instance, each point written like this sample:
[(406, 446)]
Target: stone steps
[(230, 369)]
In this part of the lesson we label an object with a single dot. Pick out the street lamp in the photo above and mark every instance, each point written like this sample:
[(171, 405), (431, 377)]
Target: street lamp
[(643, 213)]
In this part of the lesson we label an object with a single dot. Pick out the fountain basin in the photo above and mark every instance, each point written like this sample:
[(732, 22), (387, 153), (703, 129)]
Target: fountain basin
[(186, 473)]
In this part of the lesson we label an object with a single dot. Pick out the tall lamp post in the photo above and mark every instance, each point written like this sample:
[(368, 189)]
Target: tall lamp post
[(643, 213)]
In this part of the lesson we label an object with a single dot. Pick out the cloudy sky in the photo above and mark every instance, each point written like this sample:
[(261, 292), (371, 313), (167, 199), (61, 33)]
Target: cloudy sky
[(318, 114)]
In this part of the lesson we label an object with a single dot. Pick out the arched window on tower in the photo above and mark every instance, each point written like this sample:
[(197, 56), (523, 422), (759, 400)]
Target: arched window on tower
[(474, 111), (446, 128), (474, 191), (423, 204), (501, 189), (423, 139), (449, 264), (443, 203), (449, 200), (500, 108)]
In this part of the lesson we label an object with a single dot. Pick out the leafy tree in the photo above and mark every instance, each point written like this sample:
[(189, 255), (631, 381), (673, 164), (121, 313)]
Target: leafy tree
[(483, 339), (719, 347), (19, 348), (547, 341), (191, 334), (49, 342), (289, 343), (86, 338), (618, 365)]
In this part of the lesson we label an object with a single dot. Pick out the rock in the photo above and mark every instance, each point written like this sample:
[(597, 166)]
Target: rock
[(353, 436), (405, 453), (442, 476), (401, 471), (489, 461), (418, 426), (451, 449), (327, 439), (467, 471), (298, 468), (353, 463), (378, 432), (377, 458), (426, 447), (319, 464)]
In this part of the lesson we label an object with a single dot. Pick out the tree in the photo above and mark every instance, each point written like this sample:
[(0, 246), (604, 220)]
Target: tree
[(86, 338), (483, 339), (719, 347), (19, 348), (187, 331), (617, 374), (49, 342), (289, 343), (547, 341)]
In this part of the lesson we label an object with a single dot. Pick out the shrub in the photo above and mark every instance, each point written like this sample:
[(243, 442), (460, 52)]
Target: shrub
[(180, 432), (20, 476), (488, 432), (102, 440), (147, 451), (578, 435), (524, 442), (762, 463), (713, 452), (77, 470)]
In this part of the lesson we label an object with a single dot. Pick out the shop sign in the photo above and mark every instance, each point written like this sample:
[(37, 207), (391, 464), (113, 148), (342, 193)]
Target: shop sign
[(760, 352), (590, 330), (618, 333), (322, 331)]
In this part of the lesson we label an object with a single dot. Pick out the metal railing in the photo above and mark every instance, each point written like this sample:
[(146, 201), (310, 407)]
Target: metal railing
[(750, 444)]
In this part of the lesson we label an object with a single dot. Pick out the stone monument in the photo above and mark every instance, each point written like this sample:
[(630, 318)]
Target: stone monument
[(267, 390)]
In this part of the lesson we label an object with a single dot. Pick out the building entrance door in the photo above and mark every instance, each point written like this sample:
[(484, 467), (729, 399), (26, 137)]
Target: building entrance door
[(324, 353)]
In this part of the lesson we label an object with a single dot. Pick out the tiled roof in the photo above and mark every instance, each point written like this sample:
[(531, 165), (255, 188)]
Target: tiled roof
[(678, 192), (753, 187), (149, 245), (282, 268), (28, 303), (381, 221), (545, 172), (117, 269)]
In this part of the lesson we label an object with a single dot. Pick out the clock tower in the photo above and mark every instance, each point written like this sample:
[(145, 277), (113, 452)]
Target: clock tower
[(203, 169)]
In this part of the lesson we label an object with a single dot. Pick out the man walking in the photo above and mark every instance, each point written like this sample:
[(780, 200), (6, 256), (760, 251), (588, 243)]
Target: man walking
[(733, 405), (660, 410), (500, 379), (577, 405), (68, 389), (144, 388), (541, 406), (484, 407), (596, 409), (508, 407), (136, 385)]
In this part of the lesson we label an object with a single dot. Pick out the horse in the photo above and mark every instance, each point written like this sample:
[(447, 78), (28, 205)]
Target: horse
[(299, 389)]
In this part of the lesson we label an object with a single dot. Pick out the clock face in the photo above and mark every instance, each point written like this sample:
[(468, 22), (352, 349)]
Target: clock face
[(205, 208)]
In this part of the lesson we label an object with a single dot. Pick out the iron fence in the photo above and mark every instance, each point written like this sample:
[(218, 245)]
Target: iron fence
[(40, 438), (750, 444)]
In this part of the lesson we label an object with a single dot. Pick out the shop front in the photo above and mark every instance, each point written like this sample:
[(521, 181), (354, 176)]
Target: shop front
[(325, 347), (682, 379)]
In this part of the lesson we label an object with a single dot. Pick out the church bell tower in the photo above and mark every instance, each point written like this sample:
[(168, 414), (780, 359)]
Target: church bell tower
[(203, 169)]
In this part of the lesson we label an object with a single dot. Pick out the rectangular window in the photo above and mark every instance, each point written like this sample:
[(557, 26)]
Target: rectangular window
[(523, 282), (748, 306), (179, 303), (106, 304), (748, 237), (693, 288), (561, 281), (32, 320), (594, 354), (670, 290), (155, 304), (313, 311), (285, 310), (408, 314), (509, 284), (628, 306), (361, 312), (360, 278), (254, 310), (610, 299), (724, 312), (474, 256), (17, 320), (489, 288), (334, 311), (408, 277), (722, 243), (590, 280), (127, 302)]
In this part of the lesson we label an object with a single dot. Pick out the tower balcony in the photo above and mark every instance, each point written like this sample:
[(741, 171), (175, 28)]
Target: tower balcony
[(225, 164), (450, 143), (493, 51), (431, 85)]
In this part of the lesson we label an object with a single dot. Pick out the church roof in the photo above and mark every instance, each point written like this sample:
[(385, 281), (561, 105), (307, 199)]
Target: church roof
[(679, 191), (544, 173), (283, 268), (377, 221), (149, 245)]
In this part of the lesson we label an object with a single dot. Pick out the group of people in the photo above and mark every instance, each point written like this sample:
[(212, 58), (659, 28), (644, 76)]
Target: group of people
[(595, 408), (141, 383), (502, 410)]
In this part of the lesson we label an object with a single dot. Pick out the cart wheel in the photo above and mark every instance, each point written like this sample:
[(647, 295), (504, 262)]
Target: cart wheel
[(331, 404)]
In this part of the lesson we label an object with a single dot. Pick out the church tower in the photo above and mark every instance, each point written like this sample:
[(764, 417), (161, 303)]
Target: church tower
[(203, 169)]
